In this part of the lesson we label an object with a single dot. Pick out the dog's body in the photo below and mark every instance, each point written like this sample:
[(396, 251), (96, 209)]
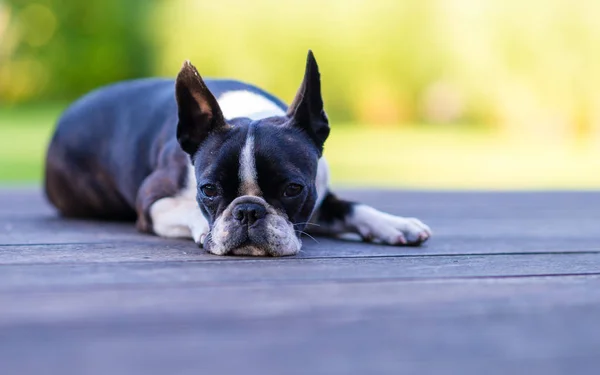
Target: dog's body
[(222, 162)]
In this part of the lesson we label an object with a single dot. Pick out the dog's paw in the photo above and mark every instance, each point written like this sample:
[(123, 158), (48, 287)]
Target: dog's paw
[(377, 226), (199, 231)]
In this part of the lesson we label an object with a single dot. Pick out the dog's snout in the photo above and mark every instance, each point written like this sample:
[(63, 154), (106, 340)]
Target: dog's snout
[(249, 213)]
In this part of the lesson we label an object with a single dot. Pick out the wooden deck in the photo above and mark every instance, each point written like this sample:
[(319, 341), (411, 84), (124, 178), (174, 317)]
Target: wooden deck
[(509, 284)]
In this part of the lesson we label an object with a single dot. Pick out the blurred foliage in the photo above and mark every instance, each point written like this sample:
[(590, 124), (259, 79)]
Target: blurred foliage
[(57, 49), (528, 68)]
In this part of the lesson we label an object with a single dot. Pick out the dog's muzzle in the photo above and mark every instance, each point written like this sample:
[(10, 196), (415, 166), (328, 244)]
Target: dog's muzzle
[(251, 227)]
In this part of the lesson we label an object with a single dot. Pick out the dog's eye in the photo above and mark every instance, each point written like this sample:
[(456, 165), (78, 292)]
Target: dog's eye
[(292, 190), (209, 190)]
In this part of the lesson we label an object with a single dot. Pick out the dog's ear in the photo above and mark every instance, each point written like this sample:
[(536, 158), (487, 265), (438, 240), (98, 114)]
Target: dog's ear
[(199, 111), (306, 110)]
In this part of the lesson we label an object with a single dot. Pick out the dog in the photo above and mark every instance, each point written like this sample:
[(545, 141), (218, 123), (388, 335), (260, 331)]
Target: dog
[(219, 161)]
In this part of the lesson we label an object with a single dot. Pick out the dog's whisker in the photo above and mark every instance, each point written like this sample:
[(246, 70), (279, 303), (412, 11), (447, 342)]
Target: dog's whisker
[(302, 232), (307, 223)]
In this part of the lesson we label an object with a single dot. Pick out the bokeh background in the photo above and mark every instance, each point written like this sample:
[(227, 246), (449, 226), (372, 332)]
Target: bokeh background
[(441, 94)]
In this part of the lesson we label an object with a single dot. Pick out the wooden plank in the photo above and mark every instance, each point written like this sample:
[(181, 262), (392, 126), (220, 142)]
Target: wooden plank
[(480, 205), (43, 230), (24, 201), (523, 326), (156, 250), (462, 224), (152, 249), (262, 300), (242, 271), (96, 298), (53, 232)]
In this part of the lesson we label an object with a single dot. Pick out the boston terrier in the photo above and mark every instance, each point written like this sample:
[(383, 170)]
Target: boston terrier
[(219, 161)]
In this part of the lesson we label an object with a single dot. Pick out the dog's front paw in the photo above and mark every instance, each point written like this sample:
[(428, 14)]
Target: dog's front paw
[(377, 226), (199, 232)]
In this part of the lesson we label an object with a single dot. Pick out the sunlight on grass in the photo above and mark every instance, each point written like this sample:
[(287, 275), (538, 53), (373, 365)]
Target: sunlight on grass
[(408, 157), (25, 134), (456, 159)]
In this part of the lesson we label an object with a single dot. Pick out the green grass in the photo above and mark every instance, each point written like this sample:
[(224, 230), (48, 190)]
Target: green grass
[(450, 158), (416, 157), (25, 134)]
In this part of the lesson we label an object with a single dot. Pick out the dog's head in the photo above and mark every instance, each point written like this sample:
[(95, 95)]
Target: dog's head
[(255, 179)]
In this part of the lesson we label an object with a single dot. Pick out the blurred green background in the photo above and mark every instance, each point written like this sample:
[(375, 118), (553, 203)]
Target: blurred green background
[(489, 94)]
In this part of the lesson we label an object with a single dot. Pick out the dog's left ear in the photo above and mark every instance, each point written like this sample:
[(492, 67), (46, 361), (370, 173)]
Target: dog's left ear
[(306, 111), (199, 111)]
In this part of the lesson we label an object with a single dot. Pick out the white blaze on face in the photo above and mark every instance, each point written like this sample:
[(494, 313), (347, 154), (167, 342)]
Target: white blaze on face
[(243, 103), (248, 175)]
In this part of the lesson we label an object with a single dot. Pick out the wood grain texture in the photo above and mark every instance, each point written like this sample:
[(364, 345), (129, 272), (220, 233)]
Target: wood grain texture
[(510, 283)]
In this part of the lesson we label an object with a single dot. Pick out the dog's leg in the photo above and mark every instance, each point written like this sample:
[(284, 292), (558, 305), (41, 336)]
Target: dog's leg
[(167, 206), (177, 217), (335, 216)]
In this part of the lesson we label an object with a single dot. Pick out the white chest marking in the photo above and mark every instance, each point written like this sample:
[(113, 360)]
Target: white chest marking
[(254, 106), (247, 104), (247, 173)]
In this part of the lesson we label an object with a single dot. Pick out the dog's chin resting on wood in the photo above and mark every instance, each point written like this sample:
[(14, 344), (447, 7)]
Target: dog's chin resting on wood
[(219, 161)]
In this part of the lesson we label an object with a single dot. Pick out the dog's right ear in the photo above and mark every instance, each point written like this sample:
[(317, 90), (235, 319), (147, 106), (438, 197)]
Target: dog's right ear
[(199, 111)]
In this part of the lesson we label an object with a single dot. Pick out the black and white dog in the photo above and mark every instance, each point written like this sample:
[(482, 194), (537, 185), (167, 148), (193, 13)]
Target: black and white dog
[(219, 161)]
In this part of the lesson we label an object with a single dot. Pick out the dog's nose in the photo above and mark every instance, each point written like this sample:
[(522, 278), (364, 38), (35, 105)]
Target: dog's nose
[(249, 213)]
